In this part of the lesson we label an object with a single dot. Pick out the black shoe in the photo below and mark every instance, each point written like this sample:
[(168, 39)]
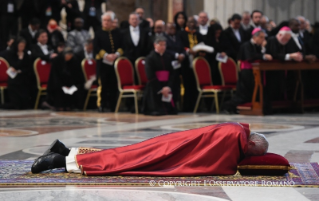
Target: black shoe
[(43, 163), (57, 147)]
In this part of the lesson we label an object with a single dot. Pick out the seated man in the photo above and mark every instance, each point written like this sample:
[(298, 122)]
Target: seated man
[(250, 51), (210, 150), (158, 97)]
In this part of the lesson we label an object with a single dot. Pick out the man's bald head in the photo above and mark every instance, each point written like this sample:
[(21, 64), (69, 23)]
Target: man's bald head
[(159, 26), (257, 145)]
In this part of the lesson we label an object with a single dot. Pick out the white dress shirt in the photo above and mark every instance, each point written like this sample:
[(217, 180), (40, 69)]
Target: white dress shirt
[(44, 49), (88, 55), (237, 34), (203, 29), (135, 34), (295, 37), (31, 31)]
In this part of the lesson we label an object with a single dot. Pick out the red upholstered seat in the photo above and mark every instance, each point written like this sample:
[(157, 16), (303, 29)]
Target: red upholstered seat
[(3, 70), (204, 82), (136, 87), (140, 69), (89, 68), (42, 70), (94, 87), (125, 78), (217, 87), (4, 84), (228, 72)]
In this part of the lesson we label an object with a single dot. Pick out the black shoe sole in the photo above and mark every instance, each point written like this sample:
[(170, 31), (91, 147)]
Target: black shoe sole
[(51, 146)]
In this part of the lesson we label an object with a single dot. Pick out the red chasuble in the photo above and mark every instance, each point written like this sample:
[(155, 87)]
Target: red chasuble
[(211, 150)]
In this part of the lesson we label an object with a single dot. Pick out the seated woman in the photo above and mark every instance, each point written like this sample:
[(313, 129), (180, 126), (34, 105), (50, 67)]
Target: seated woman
[(211, 150), (66, 82), (19, 84)]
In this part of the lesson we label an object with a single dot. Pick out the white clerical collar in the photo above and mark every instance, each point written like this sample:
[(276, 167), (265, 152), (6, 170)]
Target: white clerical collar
[(134, 28), (252, 41), (158, 34)]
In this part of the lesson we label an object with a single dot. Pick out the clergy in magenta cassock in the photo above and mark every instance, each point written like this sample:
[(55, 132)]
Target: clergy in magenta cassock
[(211, 150)]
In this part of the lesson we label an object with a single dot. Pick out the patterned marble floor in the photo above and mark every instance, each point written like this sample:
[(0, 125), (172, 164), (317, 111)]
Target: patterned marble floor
[(26, 134)]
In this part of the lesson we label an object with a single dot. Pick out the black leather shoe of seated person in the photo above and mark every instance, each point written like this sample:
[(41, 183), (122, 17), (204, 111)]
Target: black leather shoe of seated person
[(43, 163), (57, 147)]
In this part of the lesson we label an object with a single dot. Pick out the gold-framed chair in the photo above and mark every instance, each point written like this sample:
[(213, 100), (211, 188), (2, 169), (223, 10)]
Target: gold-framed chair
[(140, 70), (4, 65), (125, 79), (229, 73), (42, 73), (89, 69), (204, 83)]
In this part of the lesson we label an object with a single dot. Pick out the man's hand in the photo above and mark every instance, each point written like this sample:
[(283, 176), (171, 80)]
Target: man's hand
[(165, 91), (180, 58), (264, 43), (310, 58), (53, 55), (13, 69), (111, 57), (268, 57), (191, 52), (223, 54), (297, 56)]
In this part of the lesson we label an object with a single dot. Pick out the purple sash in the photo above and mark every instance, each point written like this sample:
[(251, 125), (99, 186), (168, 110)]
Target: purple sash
[(162, 75)]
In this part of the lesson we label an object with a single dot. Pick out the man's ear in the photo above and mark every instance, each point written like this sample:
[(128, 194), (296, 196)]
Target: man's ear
[(251, 142)]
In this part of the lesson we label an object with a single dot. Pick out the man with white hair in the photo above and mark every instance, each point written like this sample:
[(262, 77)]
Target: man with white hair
[(246, 20), (203, 28), (211, 150), (107, 48)]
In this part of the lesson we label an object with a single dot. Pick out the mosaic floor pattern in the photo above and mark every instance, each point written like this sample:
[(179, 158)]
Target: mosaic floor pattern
[(24, 135)]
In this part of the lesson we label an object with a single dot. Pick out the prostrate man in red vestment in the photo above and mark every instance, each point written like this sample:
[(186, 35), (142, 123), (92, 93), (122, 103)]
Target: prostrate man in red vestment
[(211, 150)]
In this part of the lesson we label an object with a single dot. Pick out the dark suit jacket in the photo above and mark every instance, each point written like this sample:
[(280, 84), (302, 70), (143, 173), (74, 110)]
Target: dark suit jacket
[(97, 5), (229, 37), (174, 47), (131, 51), (208, 38), (28, 37), (184, 38), (38, 53)]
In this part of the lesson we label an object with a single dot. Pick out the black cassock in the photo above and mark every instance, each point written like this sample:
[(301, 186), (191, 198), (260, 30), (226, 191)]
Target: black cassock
[(152, 102), (249, 52), (19, 87), (276, 81), (66, 73)]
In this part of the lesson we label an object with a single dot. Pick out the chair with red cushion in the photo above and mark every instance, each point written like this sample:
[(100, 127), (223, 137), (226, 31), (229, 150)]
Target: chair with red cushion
[(204, 82), (140, 69), (4, 65), (125, 79), (229, 73), (89, 70), (42, 72)]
